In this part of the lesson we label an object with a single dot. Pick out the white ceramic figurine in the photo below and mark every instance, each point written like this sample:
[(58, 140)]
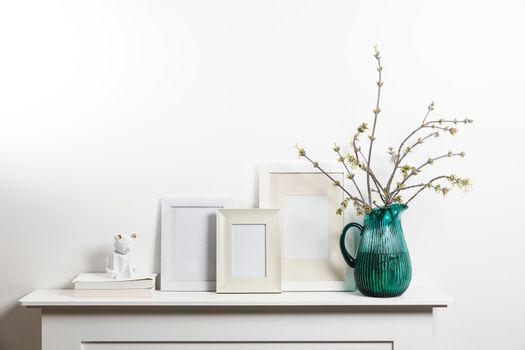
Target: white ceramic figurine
[(120, 262)]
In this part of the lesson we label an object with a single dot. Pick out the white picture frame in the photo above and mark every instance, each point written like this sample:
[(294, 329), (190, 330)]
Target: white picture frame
[(248, 251), (310, 227), (188, 246)]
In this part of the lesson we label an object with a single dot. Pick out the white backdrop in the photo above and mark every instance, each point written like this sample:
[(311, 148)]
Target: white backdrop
[(105, 106)]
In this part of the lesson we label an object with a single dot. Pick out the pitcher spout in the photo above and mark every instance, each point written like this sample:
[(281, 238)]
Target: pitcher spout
[(397, 208), (385, 215)]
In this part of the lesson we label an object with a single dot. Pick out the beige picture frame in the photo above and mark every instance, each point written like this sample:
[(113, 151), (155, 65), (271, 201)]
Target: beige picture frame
[(310, 227), (248, 251)]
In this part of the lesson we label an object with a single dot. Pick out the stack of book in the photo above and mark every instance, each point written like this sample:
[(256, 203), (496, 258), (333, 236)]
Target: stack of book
[(101, 285)]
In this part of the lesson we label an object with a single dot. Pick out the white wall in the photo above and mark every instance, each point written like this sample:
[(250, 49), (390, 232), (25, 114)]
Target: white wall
[(106, 106)]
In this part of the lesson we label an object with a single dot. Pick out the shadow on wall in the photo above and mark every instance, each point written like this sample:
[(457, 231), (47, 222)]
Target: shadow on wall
[(96, 262), (20, 329)]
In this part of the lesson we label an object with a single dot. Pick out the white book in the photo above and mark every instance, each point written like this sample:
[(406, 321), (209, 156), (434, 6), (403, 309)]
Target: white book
[(101, 281), (114, 293)]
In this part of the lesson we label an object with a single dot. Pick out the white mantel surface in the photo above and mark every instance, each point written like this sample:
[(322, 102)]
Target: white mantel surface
[(189, 320), (414, 296)]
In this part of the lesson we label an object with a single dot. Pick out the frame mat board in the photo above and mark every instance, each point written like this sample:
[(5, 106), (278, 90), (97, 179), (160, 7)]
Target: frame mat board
[(228, 220)]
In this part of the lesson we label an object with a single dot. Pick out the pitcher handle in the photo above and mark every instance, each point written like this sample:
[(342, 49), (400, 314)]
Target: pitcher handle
[(346, 255)]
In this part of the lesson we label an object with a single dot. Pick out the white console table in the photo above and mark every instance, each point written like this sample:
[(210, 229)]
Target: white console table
[(206, 321)]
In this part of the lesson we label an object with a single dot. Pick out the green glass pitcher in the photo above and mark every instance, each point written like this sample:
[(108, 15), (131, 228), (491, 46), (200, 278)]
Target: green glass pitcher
[(382, 263)]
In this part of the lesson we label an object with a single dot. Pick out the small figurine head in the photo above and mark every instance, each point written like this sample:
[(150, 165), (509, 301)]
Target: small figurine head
[(123, 243)]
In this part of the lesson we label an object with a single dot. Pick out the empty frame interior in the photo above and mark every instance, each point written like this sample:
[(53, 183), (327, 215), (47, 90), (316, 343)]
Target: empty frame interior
[(248, 250), (193, 244), (305, 220)]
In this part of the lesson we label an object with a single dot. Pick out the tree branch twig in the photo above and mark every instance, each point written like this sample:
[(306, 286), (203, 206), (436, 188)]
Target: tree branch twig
[(376, 111)]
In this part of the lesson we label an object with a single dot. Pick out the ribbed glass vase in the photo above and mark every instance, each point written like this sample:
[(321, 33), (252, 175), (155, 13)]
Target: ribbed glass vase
[(382, 263)]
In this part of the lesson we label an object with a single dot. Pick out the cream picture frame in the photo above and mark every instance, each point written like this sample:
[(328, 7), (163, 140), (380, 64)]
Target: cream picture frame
[(310, 227), (188, 247), (248, 251)]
